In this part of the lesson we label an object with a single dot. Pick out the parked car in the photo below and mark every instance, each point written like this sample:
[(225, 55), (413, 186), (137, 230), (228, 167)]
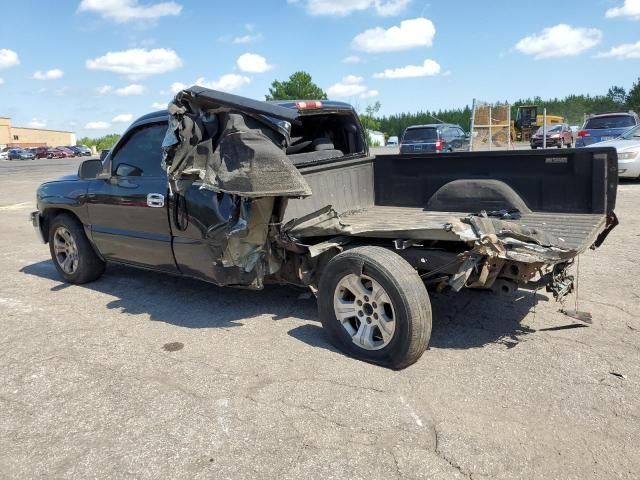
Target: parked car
[(366, 233), (628, 148), (392, 141), (558, 135), (65, 152), (20, 154), (55, 153), (44, 152), (4, 154), (436, 138), (81, 150), (600, 128)]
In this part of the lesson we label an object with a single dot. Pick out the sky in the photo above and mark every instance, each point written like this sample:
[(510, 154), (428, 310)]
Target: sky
[(93, 66)]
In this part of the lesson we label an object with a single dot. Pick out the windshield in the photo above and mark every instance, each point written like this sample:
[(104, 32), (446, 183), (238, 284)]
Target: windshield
[(427, 134), (610, 121), (550, 129), (632, 134)]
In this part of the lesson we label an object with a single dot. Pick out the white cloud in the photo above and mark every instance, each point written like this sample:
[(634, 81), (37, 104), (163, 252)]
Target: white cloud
[(104, 90), (49, 74), (1, 81), (137, 63), (133, 89), (351, 86), (253, 63), (630, 8), (248, 38), (123, 11), (8, 58), (159, 105), (122, 118), (97, 125), (227, 83), (561, 40), (177, 86), (624, 51), (37, 123), (342, 8), (428, 68), (352, 59), (416, 32)]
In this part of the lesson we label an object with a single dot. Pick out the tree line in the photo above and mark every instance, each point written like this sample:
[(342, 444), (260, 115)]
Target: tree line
[(573, 108), (101, 143), (300, 86)]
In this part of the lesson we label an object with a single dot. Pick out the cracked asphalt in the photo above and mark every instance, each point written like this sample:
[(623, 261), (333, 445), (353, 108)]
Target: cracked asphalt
[(142, 375)]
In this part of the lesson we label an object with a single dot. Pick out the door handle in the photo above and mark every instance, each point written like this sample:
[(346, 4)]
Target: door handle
[(155, 200)]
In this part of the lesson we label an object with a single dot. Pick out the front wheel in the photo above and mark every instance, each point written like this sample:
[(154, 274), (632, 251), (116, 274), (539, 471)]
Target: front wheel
[(374, 306), (72, 254)]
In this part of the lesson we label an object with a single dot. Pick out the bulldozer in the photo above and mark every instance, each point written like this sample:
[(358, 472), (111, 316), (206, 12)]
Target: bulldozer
[(528, 120)]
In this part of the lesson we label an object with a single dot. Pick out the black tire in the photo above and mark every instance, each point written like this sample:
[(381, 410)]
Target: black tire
[(90, 267), (533, 147), (408, 296)]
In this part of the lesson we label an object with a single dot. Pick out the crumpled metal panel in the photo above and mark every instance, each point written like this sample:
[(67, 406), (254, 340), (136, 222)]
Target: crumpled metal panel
[(229, 151), (241, 154)]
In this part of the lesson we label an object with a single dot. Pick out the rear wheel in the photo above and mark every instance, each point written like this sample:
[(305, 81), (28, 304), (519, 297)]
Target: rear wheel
[(72, 254), (374, 306)]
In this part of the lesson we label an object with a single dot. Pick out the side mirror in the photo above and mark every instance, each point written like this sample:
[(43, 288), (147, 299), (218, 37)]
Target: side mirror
[(90, 169)]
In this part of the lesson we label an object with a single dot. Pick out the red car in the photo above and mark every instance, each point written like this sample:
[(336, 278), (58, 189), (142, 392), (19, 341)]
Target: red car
[(41, 152), (558, 135), (65, 152)]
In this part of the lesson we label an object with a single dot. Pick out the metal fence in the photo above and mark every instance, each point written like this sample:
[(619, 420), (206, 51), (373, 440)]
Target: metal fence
[(490, 126)]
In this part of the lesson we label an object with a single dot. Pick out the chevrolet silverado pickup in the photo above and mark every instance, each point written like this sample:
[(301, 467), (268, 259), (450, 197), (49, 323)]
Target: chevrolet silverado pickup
[(240, 192)]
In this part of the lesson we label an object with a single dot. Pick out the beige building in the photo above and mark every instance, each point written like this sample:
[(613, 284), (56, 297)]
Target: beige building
[(11, 136)]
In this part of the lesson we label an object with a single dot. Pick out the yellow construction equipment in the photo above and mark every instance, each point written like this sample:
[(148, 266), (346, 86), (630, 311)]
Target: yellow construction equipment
[(528, 119)]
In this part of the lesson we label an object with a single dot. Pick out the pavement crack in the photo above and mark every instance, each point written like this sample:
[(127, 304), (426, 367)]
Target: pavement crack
[(442, 455)]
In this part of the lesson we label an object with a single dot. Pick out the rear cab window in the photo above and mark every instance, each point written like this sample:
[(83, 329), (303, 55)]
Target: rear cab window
[(609, 121), (425, 134)]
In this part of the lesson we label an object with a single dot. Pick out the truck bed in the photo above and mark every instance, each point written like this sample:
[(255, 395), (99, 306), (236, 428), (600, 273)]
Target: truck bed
[(563, 198), (578, 231)]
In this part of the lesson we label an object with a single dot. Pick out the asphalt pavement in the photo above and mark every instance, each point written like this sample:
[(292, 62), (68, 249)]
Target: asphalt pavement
[(143, 375)]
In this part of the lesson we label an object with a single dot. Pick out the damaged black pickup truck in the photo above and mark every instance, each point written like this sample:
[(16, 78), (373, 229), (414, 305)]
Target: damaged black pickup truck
[(240, 192)]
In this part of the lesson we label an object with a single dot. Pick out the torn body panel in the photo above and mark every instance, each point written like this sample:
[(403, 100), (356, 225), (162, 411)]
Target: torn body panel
[(229, 151), (229, 146)]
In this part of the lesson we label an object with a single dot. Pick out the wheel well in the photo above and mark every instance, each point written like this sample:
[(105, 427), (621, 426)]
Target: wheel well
[(48, 215)]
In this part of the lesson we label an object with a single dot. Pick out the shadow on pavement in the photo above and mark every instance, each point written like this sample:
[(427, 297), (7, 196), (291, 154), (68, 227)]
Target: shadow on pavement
[(183, 301), (472, 318), (468, 319)]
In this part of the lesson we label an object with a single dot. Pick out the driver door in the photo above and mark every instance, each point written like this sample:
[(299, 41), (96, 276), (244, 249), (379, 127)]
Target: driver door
[(128, 212)]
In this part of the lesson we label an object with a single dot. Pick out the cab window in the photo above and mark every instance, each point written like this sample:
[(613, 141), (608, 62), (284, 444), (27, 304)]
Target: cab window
[(141, 154)]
